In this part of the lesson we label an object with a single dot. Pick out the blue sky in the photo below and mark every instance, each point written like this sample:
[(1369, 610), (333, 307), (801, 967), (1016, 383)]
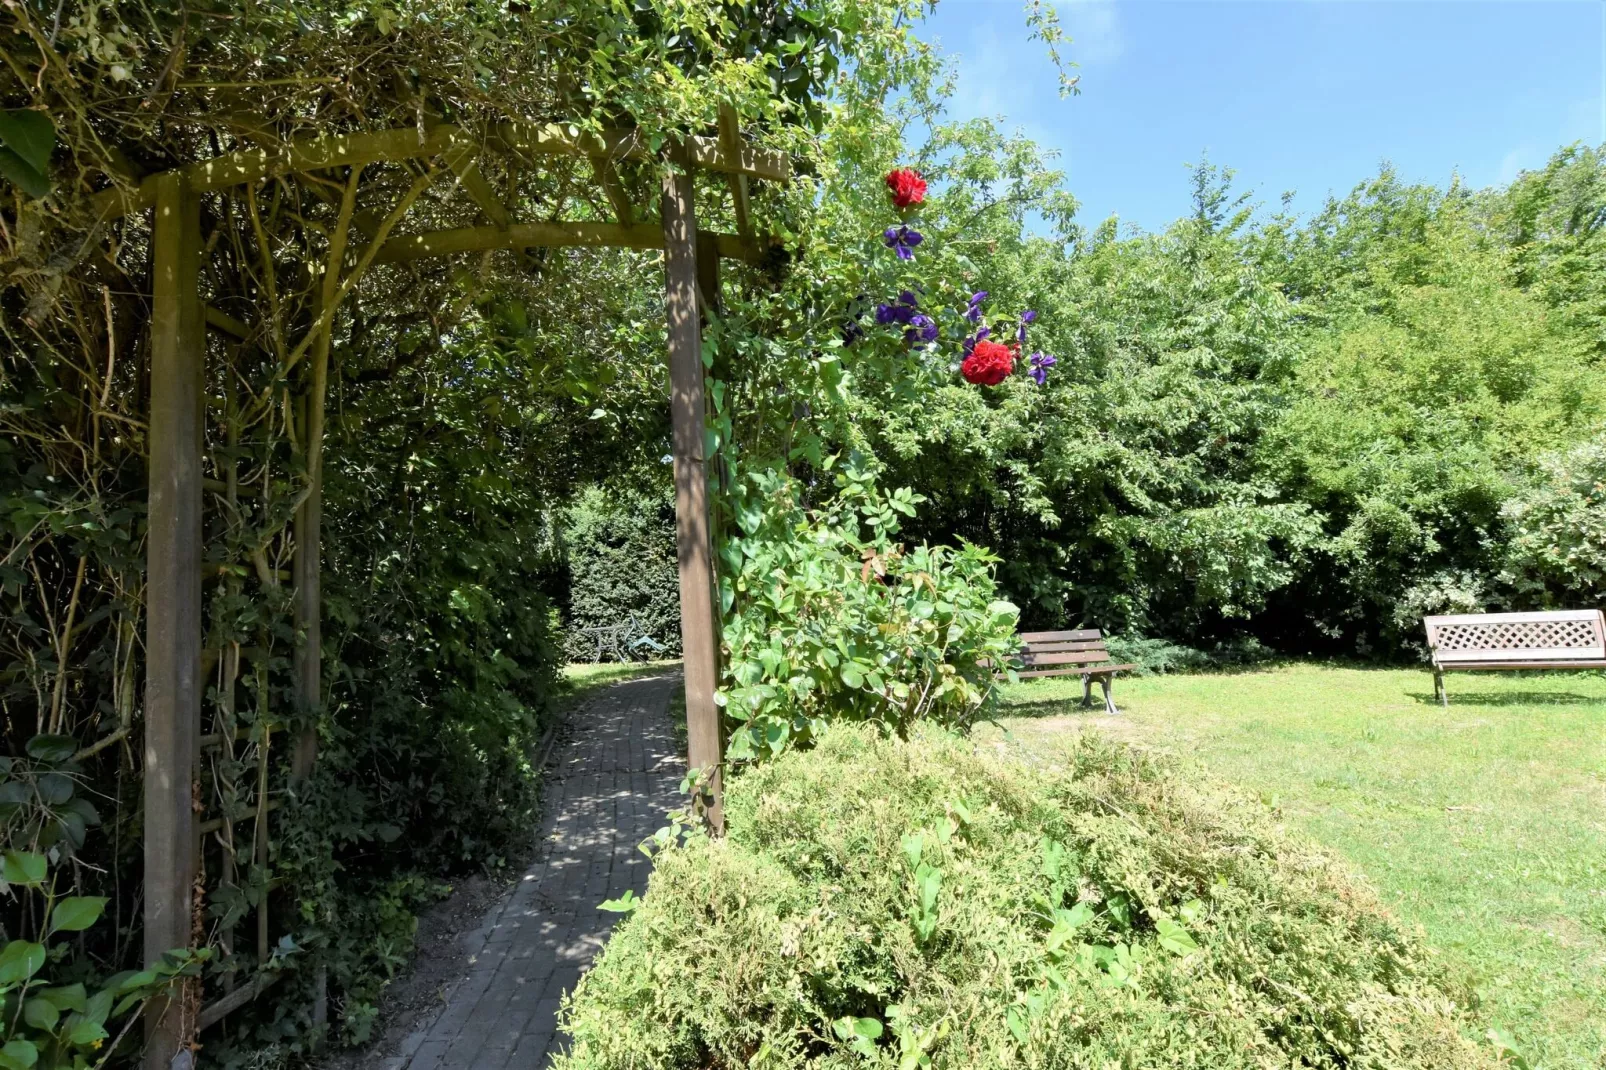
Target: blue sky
[(1294, 95)]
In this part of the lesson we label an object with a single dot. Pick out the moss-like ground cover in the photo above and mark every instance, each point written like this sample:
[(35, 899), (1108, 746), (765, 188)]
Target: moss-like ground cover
[(953, 903), (1484, 823)]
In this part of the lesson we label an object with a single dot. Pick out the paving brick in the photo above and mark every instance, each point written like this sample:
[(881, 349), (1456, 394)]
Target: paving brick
[(611, 779)]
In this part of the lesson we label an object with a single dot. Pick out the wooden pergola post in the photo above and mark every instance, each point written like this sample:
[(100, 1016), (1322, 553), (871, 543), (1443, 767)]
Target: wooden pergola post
[(697, 611), (174, 619), (173, 599)]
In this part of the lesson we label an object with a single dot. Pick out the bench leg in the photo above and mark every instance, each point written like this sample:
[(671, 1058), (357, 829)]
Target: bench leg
[(1109, 704), (1439, 691), (1087, 692)]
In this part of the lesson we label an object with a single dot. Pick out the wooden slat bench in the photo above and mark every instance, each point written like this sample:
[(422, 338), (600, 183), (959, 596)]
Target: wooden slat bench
[(1493, 642), (1080, 652)]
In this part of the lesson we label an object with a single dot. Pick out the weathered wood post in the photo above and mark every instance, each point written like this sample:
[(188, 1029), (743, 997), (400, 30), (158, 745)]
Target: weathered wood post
[(697, 613), (173, 601), (709, 302)]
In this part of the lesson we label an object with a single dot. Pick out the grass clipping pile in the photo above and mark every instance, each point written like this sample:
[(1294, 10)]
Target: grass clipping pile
[(880, 903)]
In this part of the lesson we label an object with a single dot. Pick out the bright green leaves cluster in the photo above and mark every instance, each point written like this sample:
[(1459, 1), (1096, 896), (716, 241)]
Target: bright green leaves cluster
[(1558, 523), (63, 1027), (827, 618)]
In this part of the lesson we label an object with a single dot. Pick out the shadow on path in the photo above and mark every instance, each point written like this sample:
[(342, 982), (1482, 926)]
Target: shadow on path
[(613, 777)]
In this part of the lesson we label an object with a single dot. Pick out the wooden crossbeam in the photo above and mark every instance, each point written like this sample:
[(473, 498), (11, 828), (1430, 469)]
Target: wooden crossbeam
[(406, 143), (537, 235)]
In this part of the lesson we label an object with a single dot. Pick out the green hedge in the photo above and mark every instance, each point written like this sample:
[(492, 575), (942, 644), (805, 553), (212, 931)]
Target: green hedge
[(928, 903), (621, 550)]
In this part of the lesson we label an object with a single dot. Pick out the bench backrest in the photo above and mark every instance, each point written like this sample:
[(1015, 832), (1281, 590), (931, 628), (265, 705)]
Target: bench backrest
[(1084, 646), (1559, 635)]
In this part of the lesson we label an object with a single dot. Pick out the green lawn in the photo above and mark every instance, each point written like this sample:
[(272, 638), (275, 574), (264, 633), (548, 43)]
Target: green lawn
[(582, 678), (1484, 823)]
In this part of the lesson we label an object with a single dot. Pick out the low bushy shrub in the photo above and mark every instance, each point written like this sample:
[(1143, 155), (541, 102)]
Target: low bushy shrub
[(1159, 656), (829, 619), (925, 903)]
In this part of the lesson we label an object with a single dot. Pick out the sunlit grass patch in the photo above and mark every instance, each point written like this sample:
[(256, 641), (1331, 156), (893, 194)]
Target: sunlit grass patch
[(1485, 823)]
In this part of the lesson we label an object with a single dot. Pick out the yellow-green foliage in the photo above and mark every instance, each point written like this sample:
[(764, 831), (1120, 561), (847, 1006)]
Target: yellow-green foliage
[(926, 903)]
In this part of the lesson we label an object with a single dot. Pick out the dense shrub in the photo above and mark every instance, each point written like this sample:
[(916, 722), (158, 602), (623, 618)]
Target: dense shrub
[(1305, 429), (887, 903), (833, 620), (622, 563), (1558, 547)]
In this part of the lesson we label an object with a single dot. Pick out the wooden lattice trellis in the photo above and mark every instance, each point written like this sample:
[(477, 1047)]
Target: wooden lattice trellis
[(177, 664)]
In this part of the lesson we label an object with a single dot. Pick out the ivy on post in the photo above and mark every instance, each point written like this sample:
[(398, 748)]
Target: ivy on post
[(697, 616), (173, 681)]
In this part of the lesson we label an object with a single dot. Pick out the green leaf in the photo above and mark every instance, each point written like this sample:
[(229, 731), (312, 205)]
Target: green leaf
[(1173, 937), (1017, 1025), (41, 1014), (19, 961), (860, 1033), (85, 1033), (76, 913), (623, 905), (18, 1055), (55, 788), (1002, 609), (99, 1007), (68, 998), (52, 749), (24, 867), (28, 138)]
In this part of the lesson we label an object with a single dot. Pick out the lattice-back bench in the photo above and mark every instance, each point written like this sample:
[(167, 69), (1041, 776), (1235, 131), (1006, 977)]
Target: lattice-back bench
[(1080, 652), (1483, 642)]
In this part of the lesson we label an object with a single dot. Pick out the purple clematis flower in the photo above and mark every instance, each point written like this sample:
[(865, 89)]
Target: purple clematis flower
[(902, 240), (901, 312), (979, 336), (922, 330), (973, 313), (1025, 318), (1040, 364)]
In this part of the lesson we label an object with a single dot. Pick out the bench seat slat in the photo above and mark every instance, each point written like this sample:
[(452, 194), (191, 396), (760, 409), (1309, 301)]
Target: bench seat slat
[(1068, 657), (1056, 646), (1061, 637), (1531, 653), (1490, 666), (1091, 670)]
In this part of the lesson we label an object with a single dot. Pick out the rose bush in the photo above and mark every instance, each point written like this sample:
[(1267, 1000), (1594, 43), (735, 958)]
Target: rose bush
[(834, 621)]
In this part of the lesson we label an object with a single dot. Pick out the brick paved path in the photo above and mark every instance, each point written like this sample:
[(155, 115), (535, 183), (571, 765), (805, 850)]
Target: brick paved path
[(611, 781)]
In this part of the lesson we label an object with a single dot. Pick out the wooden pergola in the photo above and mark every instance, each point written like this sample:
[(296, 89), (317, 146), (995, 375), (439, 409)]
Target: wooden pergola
[(176, 676)]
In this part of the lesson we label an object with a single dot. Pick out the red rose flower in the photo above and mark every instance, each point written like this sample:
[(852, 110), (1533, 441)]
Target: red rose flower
[(907, 187), (988, 364)]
